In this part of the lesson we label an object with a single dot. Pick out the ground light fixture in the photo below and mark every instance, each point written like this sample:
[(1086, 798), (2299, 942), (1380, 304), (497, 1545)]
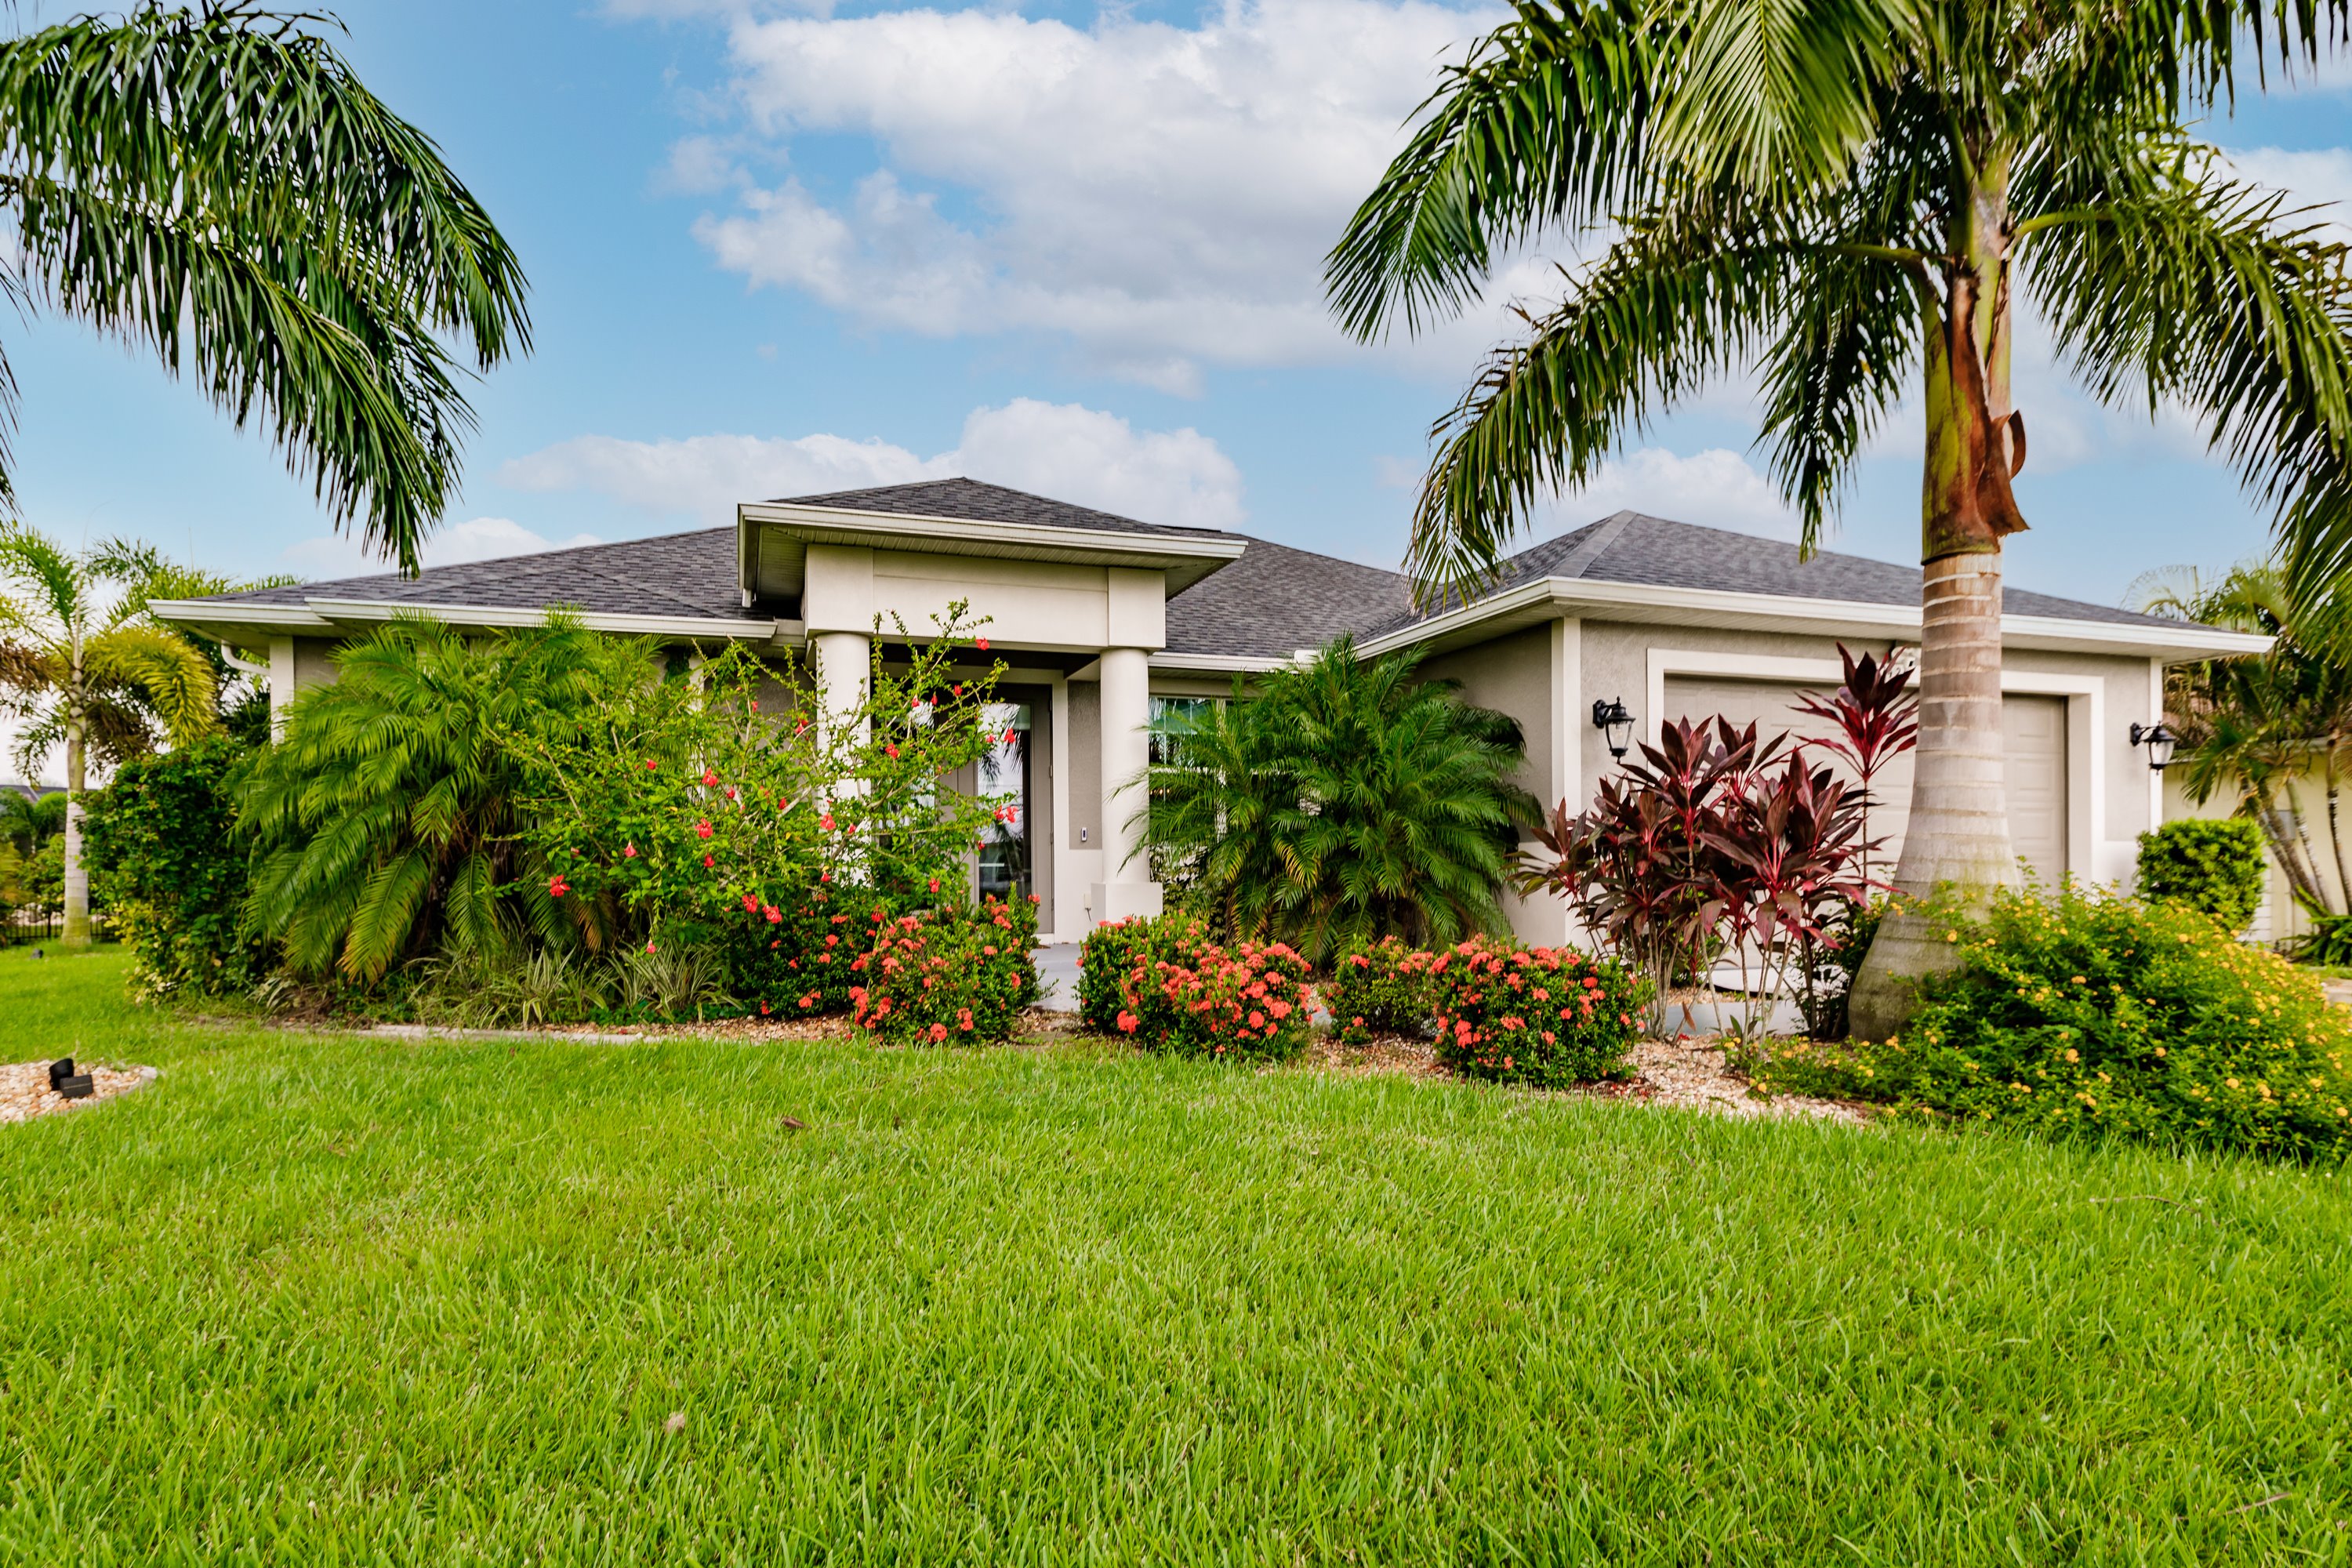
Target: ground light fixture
[(1608, 717), (2159, 742), (64, 1080)]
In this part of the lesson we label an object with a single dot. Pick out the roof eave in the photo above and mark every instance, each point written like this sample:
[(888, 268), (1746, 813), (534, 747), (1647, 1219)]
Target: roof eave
[(1545, 597), (233, 621)]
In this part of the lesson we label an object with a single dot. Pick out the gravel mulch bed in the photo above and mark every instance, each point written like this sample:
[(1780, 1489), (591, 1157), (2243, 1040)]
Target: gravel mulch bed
[(24, 1089), (1687, 1074)]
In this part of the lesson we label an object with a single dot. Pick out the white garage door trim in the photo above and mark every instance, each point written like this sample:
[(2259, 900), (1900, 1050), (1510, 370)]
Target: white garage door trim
[(2085, 695)]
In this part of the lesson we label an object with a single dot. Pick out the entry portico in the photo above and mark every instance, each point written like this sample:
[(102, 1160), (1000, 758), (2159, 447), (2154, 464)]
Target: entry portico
[(1064, 593)]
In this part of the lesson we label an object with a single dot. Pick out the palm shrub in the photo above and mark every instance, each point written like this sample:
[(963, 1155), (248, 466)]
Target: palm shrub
[(389, 817), (1344, 800)]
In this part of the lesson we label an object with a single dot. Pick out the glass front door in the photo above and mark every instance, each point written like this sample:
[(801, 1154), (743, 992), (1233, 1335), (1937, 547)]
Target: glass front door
[(1006, 864)]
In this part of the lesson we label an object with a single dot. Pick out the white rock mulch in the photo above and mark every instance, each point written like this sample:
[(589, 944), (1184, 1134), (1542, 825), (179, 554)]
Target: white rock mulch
[(1692, 1072), (24, 1089)]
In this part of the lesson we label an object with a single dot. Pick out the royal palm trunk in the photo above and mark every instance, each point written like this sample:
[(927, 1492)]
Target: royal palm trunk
[(1957, 836)]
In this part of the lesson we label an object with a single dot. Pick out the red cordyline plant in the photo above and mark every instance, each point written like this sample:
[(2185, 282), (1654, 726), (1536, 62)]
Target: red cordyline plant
[(1715, 839), (1876, 719)]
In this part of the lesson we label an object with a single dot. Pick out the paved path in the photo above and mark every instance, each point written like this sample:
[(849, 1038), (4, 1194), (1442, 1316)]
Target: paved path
[(1057, 968)]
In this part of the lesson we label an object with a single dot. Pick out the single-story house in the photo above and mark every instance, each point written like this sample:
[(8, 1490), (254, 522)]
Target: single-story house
[(1105, 620)]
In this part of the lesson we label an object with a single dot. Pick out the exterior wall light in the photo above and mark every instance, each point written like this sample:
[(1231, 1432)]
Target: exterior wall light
[(1608, 717), (2159, 742)]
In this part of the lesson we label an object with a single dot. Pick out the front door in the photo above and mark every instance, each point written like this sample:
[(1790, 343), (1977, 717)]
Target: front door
[(1007, 865)]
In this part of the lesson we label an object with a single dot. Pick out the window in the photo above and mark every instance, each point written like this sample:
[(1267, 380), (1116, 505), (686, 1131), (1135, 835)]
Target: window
[(1171, 718)]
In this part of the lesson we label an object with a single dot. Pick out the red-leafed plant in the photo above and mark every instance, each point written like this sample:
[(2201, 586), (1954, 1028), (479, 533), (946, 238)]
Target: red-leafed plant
[(1877, 719), (1714, 840)]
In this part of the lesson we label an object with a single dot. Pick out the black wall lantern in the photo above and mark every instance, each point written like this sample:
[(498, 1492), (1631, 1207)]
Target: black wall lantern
[(2159, 742), (1608, 717)]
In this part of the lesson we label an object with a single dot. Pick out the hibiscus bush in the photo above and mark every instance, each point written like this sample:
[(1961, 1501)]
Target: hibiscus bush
[(948, 976), (2079, 1012), (1541, 1015), (1181, 992), (1381, 989)]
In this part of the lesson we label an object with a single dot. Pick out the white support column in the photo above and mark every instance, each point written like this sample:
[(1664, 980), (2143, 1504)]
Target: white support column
[(281, 683), (843, 660), (1126, 887)]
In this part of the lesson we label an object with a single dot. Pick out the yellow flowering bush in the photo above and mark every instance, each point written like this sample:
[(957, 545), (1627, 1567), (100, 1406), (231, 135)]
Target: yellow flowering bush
[(2082, 1012)]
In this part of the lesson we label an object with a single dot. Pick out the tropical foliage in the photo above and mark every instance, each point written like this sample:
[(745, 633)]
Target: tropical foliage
[(2080, 1014), (164, 862), (1852, 199), (89, 677), (389, 815), (213, 185), (2270, 733), (1343, 801), (1715, 842)]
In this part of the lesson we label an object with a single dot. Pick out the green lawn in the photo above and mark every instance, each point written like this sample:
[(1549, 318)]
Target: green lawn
[(319, 1300)]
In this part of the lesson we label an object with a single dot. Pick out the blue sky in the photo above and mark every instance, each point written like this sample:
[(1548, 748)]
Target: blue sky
[(776, 248)]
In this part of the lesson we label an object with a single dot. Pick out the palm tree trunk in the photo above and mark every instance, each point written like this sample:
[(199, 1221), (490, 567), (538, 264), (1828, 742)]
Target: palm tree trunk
[(1957, 836), (77, 898)]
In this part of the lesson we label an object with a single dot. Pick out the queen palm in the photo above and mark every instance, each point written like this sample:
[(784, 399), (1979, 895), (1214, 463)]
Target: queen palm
[(1853, 197), (84, 672), (213, 185)]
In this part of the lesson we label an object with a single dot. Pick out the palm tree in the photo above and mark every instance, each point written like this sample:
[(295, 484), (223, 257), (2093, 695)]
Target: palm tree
[(87, 676), (211, 183), (386, 817), (1343, 802), (1853, 196)]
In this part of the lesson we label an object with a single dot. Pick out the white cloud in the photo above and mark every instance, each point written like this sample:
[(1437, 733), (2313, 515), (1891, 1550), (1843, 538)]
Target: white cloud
[(1162, 196), (1715, 488), (335, 555), (1063, 451), (2310, 177)]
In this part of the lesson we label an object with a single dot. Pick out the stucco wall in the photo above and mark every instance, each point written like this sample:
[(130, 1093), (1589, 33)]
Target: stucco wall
[(1511, 675)]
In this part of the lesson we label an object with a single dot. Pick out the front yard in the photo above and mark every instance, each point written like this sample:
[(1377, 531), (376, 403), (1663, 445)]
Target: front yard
[(319, 1299)]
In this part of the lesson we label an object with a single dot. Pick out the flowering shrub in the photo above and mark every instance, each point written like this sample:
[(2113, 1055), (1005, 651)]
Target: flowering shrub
[(1384, 988), (1108, 955), (684, 801), (949, 977), (2082, 1013), (1543, 1016), (1181, 992)]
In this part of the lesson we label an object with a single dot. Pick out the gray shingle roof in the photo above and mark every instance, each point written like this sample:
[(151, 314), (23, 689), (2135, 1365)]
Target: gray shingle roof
[(675, 574), (1632, 547), (1272, 602), (978, 501), (1275, 600)]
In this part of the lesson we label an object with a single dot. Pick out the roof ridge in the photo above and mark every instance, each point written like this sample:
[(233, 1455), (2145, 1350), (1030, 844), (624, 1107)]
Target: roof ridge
[(1605, 532)]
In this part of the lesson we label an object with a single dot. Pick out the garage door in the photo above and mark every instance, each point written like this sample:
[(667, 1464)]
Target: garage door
[(2033, 746), (2033, 735)]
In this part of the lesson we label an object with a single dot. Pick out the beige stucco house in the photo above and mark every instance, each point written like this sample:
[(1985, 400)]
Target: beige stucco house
[(1104, 619)]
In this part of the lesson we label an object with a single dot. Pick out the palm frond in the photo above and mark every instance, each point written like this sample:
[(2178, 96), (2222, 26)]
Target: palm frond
[(214, 184)]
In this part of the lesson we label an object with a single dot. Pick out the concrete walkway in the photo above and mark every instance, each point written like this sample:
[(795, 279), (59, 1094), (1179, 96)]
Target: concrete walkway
[(1057, 972)]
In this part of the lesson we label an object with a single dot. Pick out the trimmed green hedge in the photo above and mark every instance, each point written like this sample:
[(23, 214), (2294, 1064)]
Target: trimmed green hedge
[(2215, 866)]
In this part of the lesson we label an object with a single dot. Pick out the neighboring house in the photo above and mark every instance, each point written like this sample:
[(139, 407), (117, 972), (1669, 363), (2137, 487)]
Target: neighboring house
[(1100, 617)]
